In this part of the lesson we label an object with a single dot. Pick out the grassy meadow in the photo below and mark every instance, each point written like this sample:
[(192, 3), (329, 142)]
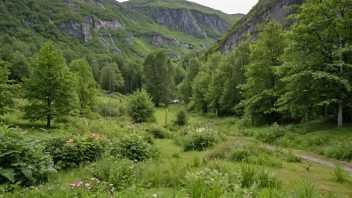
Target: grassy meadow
[(209, 157)]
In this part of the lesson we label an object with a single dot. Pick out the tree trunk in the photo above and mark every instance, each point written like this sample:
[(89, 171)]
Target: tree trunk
[(48, 121), (326, 113), (307, 119), (339, 114), (48, 116), (217, 112)]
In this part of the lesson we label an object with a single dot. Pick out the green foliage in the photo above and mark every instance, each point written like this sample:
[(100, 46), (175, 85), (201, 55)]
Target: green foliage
[(23, 159), (159, 75), (181, 118), (140, 107), (157, 131), (111, 78), (211, 183), (340, 150), (270, 134), (6, 89), (340, 175), (200, 141), (252, 175), (71, 152), (122, 173), (262, 84), (306, 190), (134, 147), (51, 90), (86, 86), (192, 69)]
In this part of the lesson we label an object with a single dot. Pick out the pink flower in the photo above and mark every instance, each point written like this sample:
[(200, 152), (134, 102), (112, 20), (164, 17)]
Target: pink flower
[(87, 184), (79, 183), (73, 185), (92, 179)]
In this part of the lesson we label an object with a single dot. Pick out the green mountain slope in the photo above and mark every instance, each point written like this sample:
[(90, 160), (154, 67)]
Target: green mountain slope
[(185, 16), (253, 23), (91, 27)]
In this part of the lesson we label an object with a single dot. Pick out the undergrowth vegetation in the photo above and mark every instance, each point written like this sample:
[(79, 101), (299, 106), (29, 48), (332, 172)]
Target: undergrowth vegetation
[(116, 158)]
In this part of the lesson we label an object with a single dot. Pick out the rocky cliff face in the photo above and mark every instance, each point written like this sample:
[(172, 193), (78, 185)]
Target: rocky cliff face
[(189, 21), (255, 20)]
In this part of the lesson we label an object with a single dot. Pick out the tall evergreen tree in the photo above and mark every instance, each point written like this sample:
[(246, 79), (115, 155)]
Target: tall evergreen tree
[(86, 86), (185, 88), (159, 76), (201, 98), (262, 84), (51, 91)]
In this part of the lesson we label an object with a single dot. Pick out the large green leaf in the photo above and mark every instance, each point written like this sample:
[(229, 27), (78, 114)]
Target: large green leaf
[(9, 173)]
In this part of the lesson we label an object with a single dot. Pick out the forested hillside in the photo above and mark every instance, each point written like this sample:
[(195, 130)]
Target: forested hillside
[(101, 31), (287, 75)]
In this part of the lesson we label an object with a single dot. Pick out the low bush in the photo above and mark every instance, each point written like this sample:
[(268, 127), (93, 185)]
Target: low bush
[(157, 131), (253, 175), (270, 134), (122, 173), (70, 152), (140, 107), (181, 118), (340, 151), (211, 183), (23, 159), (200, 141), (134, 147)]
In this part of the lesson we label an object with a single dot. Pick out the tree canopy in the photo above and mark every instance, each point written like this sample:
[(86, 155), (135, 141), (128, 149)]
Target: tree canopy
[(51, 90)]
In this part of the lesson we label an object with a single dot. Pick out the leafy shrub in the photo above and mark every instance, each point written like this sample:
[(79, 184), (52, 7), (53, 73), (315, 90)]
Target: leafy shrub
[(157, 131), (109, 109), (140, 107), (340, 151), (181, 118), (122, 173), (134, 147), (270, 134), (211, 183), (200, 141), (23, 159), (220, 152), (253, 175), (70, 152)]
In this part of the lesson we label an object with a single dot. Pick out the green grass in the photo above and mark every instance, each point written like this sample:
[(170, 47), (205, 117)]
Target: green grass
[(167, 175)]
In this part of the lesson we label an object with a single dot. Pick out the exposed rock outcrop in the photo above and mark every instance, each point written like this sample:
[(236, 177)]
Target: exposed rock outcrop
[(255, 20), (190, 22), (79, 30), (70, 4), (109, 24), (94, 2)]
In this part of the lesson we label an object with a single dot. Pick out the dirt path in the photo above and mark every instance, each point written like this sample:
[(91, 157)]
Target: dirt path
[(324, 162), (311, 158)]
